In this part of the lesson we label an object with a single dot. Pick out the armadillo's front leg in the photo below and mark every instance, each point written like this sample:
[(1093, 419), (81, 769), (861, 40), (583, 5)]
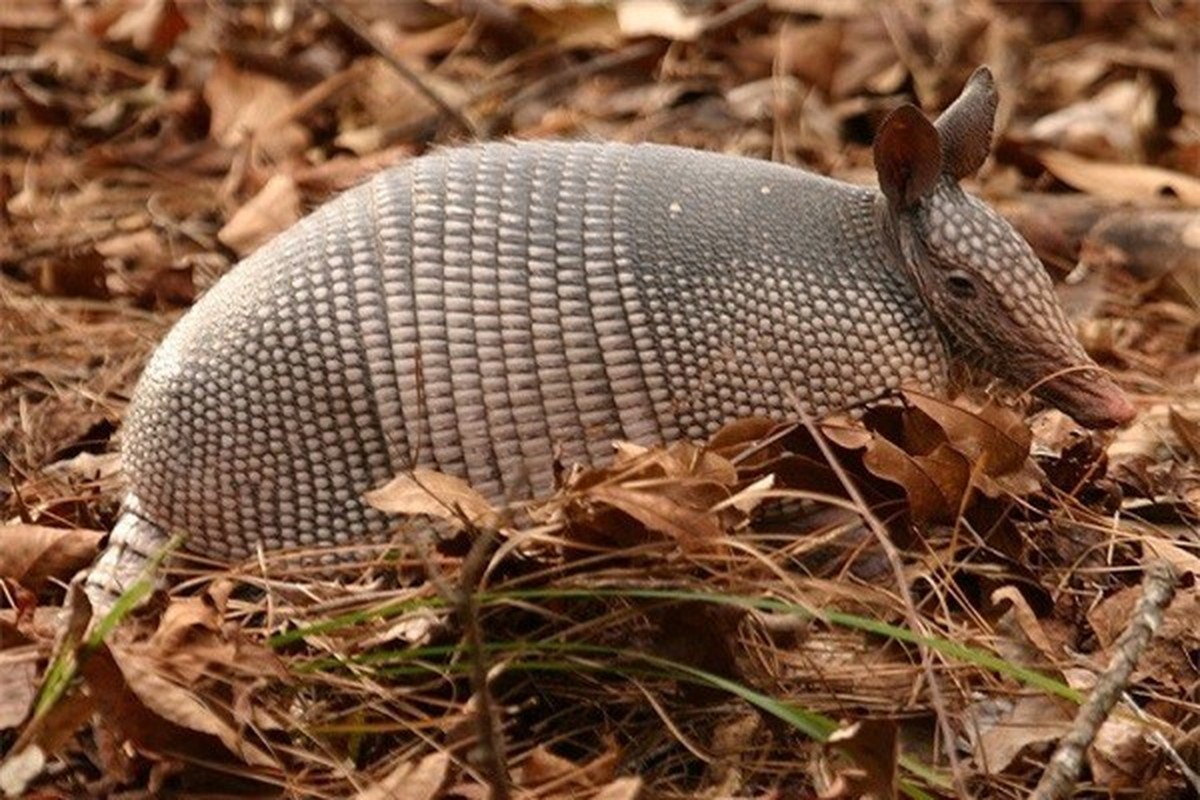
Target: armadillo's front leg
[(132, 546)]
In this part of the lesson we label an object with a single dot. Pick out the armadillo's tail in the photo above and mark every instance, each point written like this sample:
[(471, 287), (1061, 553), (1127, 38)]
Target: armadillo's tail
[(134, 547)]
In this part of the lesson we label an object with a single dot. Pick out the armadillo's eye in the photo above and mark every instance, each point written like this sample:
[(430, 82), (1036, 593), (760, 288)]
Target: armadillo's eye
[(961, 285)]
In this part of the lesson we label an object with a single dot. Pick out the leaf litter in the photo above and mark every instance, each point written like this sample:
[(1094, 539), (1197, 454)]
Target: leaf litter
[(147, 145)]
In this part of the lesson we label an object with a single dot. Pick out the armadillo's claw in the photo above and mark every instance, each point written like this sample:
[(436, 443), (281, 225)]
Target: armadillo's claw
[(132, 546)]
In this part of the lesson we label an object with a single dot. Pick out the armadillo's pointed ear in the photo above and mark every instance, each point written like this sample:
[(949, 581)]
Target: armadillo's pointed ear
[(966, 126), (908, 156)]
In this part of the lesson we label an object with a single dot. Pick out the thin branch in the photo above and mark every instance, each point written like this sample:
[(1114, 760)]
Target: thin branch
[(573, 74), (490, 749), (1158, 589), (351, 22)]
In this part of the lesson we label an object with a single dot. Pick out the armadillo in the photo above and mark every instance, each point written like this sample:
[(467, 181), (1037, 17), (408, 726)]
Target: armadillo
[(488, 309)]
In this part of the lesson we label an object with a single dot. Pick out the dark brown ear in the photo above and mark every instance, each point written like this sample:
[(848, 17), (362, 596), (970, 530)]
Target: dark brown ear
[(908, 156), (966, 126)]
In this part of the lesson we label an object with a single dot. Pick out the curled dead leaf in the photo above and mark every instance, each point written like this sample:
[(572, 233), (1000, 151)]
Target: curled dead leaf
[(33, 554), (688, 527), (274, 208), (734, 439), (1004, 729), (934, 483), (190, 644), (436, 494), (666, 18), (621, 789), (995, 437), (245, 104), (1187, 430), (411, 780), (1125, 182), (541, 767), (874, 747), (19, 668), (161, 716)]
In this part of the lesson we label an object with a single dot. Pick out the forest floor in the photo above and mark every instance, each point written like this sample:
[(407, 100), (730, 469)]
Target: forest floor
[(962, 576)]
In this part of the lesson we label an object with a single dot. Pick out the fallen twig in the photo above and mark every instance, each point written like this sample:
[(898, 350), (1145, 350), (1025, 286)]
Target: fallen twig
[(490, 748), (356, 26), (1158, 589), (489, 751)]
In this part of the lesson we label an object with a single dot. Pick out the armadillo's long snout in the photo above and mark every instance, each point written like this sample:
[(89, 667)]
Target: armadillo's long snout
[(1090, 397)]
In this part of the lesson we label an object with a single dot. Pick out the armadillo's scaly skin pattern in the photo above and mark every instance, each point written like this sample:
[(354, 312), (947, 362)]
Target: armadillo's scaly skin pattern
[(490, 310), (957, 226), (473, 310)]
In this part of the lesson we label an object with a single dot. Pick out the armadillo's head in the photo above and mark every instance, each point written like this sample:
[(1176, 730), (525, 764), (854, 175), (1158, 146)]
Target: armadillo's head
[(980, 280)]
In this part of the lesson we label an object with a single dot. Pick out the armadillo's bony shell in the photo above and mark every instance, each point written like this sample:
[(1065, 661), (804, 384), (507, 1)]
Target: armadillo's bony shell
[(473, 309)]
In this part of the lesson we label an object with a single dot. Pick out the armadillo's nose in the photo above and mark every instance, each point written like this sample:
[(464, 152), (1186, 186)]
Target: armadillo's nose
[(1110, 410), (1091, 397)]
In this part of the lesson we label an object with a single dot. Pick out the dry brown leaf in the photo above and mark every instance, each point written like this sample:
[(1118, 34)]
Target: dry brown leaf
[(1110, 617), (848, 435), (186, 692), (811, 52), (160, 715), (427, 491), (621, 789), (149, 25), (1122, 754), (1182, 560), (19, 675), (1188, 431), (874, 747), (1134, 183), (1006, 729), (995, 437), (190, 644), (272, 210), (542, 767), (33, 554), (681, 461), (392, 103), (1166, 660), (245, 104), (736, 436), (934, 483), (700, 464), (1108, 125), (1022, 639), (80, 273), (688, 527), (409, 780), (47, 733), (573, 25), (666, 18)]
